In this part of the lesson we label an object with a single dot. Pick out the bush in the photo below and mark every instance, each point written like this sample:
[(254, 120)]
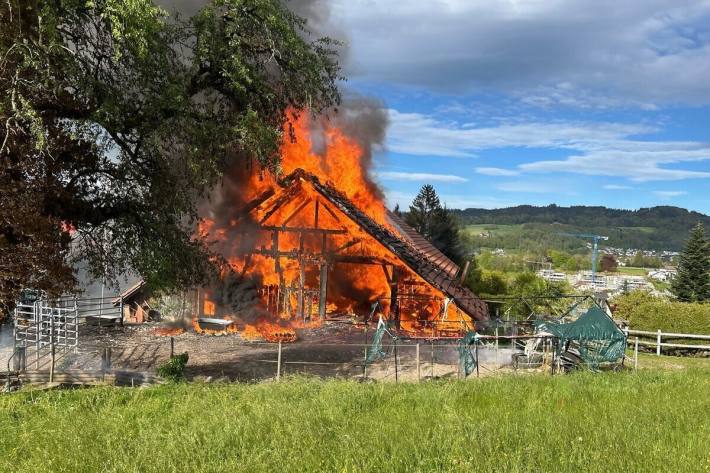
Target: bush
[(174, 369), (644, 312)]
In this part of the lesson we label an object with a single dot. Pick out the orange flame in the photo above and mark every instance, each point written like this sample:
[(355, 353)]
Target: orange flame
[(351, 286)]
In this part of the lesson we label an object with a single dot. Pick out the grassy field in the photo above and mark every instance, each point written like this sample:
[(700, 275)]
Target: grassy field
[(495, 229), (651, 420), (632, 271)]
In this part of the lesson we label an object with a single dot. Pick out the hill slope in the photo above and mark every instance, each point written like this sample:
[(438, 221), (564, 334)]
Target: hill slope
[(655, 228)]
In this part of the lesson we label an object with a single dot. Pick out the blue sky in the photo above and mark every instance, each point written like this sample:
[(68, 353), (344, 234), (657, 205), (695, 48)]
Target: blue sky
[(535, 102)]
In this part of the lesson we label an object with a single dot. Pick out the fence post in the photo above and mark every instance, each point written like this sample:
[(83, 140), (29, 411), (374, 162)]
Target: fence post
[(278, 363), (432, 358), (106, 359), (38, 331), (20, 360), (497, 365), (658, 343), (364, 365), (396, 362), (172, 347), (51, 347), (478, 375), (51, 367), (419, 371), (636, 354)]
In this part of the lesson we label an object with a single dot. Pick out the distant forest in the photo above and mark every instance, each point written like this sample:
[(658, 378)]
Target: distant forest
[(655, 228)]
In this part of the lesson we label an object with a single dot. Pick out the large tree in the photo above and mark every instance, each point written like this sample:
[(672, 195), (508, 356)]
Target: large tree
[(115, 118), (435, 223), (692, 284)]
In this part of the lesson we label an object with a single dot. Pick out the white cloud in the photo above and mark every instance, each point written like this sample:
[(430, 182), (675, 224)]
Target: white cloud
[(615, 187), (424, 135), (669, 194), (641, 165), (418, 177), (497, 172), (598, 148), (639, 52)]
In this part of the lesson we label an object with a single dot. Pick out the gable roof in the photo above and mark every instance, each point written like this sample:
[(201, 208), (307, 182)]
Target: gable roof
[(421, 244), (427, 266)]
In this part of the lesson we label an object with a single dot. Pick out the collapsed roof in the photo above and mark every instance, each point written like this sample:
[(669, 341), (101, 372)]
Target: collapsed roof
[(410, 248)]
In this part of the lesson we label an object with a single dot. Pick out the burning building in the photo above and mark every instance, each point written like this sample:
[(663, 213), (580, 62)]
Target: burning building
[(318, 242)]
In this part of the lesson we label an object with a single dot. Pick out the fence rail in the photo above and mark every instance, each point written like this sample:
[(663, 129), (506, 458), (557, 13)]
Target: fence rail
[(659, 336)]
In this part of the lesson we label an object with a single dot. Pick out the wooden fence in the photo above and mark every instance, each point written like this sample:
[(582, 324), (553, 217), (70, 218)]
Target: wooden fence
[(659, 336)]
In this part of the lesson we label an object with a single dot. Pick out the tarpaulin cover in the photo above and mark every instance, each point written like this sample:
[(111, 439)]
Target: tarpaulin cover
[(375, 351), (466, 359), (596, 335)]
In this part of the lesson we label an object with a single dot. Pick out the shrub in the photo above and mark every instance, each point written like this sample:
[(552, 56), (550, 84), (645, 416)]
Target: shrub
[(174, 369), (644, 312)]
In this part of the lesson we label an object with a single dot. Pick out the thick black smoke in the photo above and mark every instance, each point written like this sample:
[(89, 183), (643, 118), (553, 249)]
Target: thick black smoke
[(363, 119)]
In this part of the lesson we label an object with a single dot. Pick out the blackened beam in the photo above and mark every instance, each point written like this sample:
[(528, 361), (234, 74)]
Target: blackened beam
[(322, 295), (387, 274), (296, 212), (359, 259), (347, 245), (257, 202), (332, 214), (315, 213), (281, 200), (271, 228), (394, 290), (295, 255)]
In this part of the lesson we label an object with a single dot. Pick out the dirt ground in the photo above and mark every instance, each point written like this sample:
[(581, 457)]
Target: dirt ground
[(337, 349)]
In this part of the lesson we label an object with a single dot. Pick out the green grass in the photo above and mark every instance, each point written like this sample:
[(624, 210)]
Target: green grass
[(495, 229), (652, 420), (646, 230), (651, 361), (632, 271)]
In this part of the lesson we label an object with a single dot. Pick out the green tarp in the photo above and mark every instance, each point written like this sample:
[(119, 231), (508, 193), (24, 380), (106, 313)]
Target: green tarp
[(466, 359), (375, 351), (594, 334)]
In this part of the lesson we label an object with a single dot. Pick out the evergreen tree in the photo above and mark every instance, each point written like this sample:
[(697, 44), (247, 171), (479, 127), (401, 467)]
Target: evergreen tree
[(435, 223), (421, 212), (692, 284)]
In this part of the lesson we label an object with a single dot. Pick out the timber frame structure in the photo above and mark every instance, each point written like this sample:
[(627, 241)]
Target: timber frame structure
[(406, 259)]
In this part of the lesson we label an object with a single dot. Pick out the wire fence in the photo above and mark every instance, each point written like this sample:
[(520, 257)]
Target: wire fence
[(230, 359)]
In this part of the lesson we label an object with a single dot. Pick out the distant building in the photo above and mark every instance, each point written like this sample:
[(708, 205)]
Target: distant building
[(553, 276), (663, 275)]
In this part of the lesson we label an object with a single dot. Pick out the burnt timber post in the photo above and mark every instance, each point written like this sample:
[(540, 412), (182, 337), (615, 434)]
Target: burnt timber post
[(323, 290), (277, 268), (394, 303), (301, 279)]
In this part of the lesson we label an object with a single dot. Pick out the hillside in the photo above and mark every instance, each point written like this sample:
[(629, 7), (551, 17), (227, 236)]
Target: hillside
[(655, 228)]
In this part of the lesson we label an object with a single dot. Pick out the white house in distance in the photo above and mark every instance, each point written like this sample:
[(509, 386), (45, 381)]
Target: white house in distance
[(665, 274), (551, 275), (583, 280)]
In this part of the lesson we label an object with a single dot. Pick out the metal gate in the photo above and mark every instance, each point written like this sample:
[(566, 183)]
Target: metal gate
[(40, 324)]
